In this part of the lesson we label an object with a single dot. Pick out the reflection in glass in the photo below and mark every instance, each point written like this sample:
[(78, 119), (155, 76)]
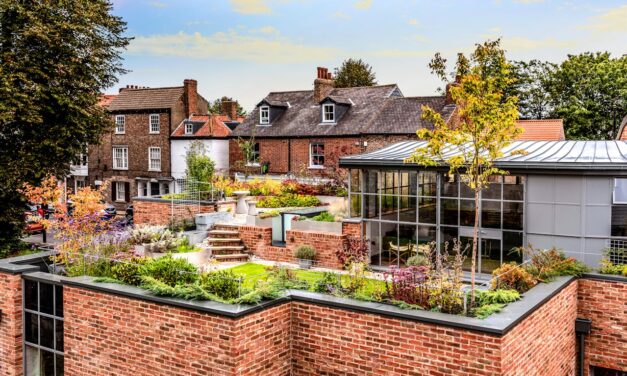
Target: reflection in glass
[(450, 183), (46, 299), (426, 235), (466, 212), (32, 361), (426, 209), (373, 232), (490, 255), (46, 331), (30, 293), (389, 206), (512, 241), (447, 234), (407, 244), (389, 232), (448, 211), (371, 206), (388, 182), (47, 363), (355, 205), (491, 214), (407, 211), (513, 187), (513, 215), (427, 183), (370, 179), (58, 296), (493, 192), (464, 190), (31, 328), (60, 363), (59, 335), (355, 181)]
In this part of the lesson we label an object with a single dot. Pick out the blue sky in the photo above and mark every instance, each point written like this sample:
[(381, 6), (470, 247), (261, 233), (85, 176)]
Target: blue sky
[(246, 48)]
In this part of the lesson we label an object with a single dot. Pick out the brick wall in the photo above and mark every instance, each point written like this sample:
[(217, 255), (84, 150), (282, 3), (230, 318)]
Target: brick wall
[(352, 229), (160, 212), (544, 343), (605, 303), (11, 324)]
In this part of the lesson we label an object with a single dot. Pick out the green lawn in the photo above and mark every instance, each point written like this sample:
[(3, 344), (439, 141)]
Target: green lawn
[(252, 272)]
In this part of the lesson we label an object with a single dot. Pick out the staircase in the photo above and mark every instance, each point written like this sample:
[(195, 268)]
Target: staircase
[(225, 244)]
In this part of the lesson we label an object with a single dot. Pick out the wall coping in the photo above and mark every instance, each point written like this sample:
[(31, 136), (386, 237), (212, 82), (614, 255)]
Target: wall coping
[(21, 264), (604, 277), (497, 324), (176, 201)]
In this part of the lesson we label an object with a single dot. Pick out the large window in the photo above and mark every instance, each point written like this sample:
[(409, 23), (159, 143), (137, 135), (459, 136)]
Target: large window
[(328, 113), (120, 191), (120, 158), (316, 154), (120, 124), (154, 158), (264, 115), (154, 123), (43, 328)]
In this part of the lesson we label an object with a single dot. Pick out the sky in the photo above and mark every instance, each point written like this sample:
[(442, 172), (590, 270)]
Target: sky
[(247, 48)]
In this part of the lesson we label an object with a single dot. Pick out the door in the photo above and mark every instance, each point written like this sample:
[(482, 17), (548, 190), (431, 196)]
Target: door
[(489, 250)]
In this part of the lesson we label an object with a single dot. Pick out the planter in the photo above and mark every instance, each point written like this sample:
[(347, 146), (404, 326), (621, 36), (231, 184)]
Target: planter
[(307, 225), (194, 258), (195, 237), (205, 221), (305, 264), (259, 222)]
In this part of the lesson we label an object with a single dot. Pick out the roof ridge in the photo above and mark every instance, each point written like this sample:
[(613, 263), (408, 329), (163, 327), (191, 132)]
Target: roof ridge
[(289, 91), (151, 88)]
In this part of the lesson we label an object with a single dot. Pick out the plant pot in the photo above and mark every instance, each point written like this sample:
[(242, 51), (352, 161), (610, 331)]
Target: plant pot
[(305, 264)]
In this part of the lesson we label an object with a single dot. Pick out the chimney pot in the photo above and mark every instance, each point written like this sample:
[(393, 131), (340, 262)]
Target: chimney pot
[(323, 84)]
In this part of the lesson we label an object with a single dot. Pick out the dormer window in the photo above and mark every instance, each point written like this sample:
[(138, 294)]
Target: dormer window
[(189, 128), (328, 113), (264, 115)]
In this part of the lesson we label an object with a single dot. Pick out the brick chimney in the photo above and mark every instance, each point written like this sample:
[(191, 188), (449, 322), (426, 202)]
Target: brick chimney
[(323, 84), (229, 108), (190, 97), (448, 97)]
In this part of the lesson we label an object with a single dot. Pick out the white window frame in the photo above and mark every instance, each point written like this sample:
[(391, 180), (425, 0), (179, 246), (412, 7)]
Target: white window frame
[(324, 113), (264, 120), (120, 124), (124, 158), (255, 157), (311, 155), (189, 128), (120, 191), (150, 159), (614, 200), (152, 130)]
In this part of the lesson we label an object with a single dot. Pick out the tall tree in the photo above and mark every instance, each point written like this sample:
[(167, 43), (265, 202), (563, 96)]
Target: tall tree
[(55, 59), (215, 106), (589, 91), (532, 87), (354, 73), (487, 123)]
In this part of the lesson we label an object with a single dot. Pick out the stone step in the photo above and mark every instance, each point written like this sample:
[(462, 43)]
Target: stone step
[(224, 232), (232, 257), (224, 240), (226, 247), (226, 226)]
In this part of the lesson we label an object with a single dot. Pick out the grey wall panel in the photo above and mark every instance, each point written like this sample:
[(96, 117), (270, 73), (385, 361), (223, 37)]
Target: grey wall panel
[(593, 251), (597, 221), (540, 218), (568, 189), (540, 188), (598, 190), (568, 220)]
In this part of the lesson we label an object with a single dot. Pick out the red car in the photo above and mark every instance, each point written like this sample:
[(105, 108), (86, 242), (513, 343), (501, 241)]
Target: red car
[(32, 219)]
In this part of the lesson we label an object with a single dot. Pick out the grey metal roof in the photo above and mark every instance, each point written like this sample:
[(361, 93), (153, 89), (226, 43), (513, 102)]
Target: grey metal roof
[(553, 155)]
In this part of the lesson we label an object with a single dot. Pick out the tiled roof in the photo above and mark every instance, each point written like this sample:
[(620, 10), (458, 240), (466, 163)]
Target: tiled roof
[(373, 110), (139, 99), (542, 130), (210, 126), (105, 99)]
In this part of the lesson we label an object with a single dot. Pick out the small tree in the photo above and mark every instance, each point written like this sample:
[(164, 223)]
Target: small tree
[(215, 106), (486, 123), (354, 73), (200, 167)]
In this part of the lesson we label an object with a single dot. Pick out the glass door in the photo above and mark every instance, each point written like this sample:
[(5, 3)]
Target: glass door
[(489, 250)]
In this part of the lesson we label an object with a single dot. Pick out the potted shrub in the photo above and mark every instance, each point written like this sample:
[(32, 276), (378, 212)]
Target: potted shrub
[(305, 255)]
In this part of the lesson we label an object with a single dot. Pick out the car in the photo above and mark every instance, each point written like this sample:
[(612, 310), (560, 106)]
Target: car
[(32, 220), (109, 212)]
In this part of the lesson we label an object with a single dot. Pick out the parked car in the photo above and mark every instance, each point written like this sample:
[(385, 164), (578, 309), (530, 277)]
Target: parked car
[(32, 224), (109, 212)]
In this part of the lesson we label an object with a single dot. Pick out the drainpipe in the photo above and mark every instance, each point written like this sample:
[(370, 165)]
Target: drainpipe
[(582, 327)]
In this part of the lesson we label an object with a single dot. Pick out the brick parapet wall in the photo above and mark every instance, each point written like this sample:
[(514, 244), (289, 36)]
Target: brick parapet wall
[(326, 245), (352, 228), (10, 324), (605, 303), (160, 212)]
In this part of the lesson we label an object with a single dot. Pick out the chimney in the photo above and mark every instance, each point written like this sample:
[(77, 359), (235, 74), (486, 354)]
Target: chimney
[(229, 108), (190, 97), (448, 97), (323, 84)]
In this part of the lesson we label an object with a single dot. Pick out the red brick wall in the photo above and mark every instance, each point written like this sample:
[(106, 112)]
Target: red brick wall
[(352, 229), (11, 324), (160, 212), (605, 303), (544, 343), (326, 245)]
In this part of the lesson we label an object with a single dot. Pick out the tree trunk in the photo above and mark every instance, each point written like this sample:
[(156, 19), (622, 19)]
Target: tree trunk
[(475, 239)]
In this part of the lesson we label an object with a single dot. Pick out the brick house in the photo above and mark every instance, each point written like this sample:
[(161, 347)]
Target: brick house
[(135, 155), (622, 131)]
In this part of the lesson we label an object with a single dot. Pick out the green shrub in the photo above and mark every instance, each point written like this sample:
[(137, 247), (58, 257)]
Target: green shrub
[(486, 310), (417, 260), (269, 214), (129, 271), (547, 264), (288, 200), (496, 297), (305, 252), (327, 284), (324, 217), (171, 271), (512, 277), (225, 284)]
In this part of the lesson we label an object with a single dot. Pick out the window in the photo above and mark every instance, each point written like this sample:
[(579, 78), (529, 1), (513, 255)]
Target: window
[(120, 158), (189, 128), (154, 123), (264, 115), (620, 191), (120, 191), (120, 126), (154, 159), (43, 328), (328, 113), (316, 155)]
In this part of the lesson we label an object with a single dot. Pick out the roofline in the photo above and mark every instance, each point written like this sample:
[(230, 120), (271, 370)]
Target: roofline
[(152, 88)]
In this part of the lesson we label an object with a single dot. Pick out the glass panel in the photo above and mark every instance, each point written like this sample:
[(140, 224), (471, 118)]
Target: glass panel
[(512, 241), (31, 328), (46, 298), (464, 190), (408, 209), (427, 183), (371, 206), (413, 183), (426, 236), (619, 220), (30, 293), (32, 361), (58, 324), (447, 234), (466, 250), (426, 209), (448, 211), (407, 243), (467, 212), (389, 208), (491, 214), (389, 242), (490, 255), (388, 182), (513, 187), (355, 180), (450, 183), (58, 297), (373, 230), (47, 363), (493, 191), (46, 332), (355, 205), (513, 215), (370, 179), (60, 362)]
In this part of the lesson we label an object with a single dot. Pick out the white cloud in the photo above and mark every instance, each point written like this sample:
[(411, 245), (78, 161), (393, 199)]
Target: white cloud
[(231, 45), (363, 4), (267, 30), (614, 20), (250, 6), (516, 44)]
